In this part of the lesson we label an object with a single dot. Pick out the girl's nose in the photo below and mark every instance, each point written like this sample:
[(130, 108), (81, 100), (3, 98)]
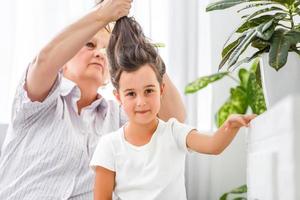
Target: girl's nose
[(141, 102)]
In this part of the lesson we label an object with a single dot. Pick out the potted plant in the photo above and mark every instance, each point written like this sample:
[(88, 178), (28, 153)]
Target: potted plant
[(245, 96), (269, 27)]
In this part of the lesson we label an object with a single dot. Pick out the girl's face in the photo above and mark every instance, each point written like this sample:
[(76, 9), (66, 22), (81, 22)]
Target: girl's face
[(140, 94), (90, 63)]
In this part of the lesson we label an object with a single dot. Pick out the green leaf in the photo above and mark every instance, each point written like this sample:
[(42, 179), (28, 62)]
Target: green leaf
[(227, 51), (255, 5), (254, 23), (224, 196), (244, 76), (220, 5), (202, 82), (259, 12), (236, 104), (260, 44), (239, 190), (293, 36), (229, 47), (159, 45), (255, 95), (241, 47), (265, 31), (279, 48)]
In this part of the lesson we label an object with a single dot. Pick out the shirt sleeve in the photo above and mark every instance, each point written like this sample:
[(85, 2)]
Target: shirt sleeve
[(180, 132), (24, 109), (104, 155)]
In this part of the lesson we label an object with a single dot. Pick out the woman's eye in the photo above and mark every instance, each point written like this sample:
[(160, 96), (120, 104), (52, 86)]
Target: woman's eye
[(90, 45)]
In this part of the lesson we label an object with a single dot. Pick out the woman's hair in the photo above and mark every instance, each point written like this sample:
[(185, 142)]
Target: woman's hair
[(128, 50)]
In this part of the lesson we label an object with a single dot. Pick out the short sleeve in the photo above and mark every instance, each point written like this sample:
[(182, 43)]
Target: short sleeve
[(104, 155), (180, 132), (24, 109)]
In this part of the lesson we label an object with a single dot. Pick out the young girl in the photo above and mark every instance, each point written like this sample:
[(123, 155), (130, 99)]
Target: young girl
[(145, 159)]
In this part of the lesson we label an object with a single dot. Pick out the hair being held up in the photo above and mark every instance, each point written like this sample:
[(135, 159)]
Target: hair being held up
[(129, 49)]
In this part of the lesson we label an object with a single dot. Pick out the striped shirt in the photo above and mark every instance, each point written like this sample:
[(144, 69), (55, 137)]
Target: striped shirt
[(48, 147)]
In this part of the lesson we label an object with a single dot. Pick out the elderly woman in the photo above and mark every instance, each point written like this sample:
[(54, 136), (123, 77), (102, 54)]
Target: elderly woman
[(58, 115)]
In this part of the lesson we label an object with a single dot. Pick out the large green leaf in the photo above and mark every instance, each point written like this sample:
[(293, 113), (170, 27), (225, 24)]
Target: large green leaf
[(279, 49), (204, 81), (281, 43), (236, 104)]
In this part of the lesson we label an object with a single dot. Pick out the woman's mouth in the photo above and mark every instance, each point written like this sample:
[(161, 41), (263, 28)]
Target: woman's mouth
[(98, 65)]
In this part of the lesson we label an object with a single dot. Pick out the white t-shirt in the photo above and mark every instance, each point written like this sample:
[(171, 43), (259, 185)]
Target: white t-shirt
[(152, 171)]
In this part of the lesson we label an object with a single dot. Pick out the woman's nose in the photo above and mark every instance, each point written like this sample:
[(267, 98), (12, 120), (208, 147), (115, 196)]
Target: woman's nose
[(100, 52)]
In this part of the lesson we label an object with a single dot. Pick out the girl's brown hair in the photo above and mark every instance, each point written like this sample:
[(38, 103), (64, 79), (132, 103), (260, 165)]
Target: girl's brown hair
[(128, 50)]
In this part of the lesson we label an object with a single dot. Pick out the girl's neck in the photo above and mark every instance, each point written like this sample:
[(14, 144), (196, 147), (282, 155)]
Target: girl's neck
[(140, 134)]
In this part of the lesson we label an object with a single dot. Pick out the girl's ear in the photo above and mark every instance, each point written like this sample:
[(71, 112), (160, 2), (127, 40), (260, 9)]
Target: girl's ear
[(117, 95)]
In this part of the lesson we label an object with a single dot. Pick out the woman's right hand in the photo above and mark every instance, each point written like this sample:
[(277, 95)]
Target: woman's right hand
[(112, 10)]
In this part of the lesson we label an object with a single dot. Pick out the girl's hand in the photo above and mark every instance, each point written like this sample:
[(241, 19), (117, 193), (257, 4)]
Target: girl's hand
[(237, 121)]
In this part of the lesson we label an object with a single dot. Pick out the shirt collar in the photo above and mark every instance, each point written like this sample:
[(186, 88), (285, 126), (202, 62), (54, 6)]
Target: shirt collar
[(68, 87)]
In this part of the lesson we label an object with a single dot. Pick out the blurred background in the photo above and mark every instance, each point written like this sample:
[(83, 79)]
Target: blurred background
[(193, 43)]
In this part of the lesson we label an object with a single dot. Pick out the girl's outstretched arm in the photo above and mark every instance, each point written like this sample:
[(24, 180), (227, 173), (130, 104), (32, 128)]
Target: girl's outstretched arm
[(104, 184), (215, 144)]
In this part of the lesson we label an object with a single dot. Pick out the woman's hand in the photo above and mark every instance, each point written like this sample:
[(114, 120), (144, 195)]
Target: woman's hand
[(112, 10)]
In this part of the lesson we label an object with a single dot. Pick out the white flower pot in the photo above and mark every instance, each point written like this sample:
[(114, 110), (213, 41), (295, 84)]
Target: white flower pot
[(279, 84)]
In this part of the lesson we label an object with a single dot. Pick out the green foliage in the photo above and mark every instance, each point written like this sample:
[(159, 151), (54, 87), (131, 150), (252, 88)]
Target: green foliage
[(270, 27), (202, 82), (240, 190), (247, 94)]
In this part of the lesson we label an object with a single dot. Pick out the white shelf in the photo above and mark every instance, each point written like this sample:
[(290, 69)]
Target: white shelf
[(273, 157)]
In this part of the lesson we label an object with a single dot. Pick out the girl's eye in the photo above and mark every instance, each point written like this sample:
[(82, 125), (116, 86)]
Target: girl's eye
[(148, 91), (90, 45), (131, 94)]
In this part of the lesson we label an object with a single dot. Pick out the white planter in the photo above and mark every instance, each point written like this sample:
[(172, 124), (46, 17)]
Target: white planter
[(279, 84)]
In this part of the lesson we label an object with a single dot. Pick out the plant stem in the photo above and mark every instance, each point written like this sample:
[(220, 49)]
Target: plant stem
[(291, 18), (233, 78)]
